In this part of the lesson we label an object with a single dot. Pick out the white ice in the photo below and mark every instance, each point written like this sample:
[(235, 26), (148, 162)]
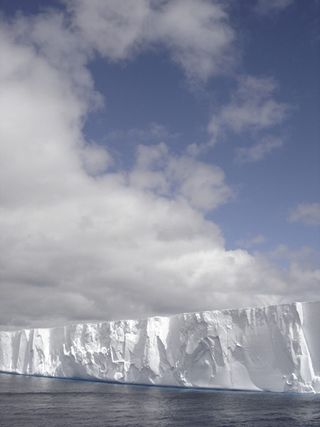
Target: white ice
[(275, 348)]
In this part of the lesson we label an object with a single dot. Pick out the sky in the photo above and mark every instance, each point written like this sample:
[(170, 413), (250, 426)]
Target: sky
[(157, 159)]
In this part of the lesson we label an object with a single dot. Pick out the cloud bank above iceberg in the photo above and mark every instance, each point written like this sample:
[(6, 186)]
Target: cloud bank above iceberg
[(83, 239)]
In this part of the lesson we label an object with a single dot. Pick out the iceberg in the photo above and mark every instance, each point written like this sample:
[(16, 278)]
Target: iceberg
[(274, 348)]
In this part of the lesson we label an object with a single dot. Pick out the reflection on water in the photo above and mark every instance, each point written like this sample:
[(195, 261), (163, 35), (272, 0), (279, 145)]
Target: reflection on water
[(30, 401)]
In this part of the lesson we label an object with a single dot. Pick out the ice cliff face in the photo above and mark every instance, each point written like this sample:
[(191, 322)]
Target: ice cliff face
[(274, 348)]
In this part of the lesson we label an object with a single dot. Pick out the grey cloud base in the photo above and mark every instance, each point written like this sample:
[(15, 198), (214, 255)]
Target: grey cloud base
[(275, 348)]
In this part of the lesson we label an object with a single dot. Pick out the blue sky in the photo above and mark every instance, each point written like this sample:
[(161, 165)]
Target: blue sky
[(208, 108), (285, 45)]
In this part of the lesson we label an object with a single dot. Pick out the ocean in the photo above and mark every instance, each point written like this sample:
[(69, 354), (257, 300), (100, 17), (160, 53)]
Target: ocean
[(46, 402)]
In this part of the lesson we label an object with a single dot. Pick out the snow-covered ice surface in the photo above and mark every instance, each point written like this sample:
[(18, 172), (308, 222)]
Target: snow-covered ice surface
[(275, 348)]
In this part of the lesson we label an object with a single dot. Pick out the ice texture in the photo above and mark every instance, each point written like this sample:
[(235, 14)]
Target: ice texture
[(275, 348)]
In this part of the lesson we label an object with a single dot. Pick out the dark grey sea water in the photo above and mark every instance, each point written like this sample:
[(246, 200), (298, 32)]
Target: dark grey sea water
[(30, 401)]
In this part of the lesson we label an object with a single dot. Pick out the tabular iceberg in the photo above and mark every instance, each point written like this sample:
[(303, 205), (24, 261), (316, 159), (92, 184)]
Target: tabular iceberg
[(275, 348)]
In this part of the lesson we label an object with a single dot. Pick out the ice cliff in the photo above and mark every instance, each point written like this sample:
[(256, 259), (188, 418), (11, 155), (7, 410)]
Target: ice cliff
[(274, 348)]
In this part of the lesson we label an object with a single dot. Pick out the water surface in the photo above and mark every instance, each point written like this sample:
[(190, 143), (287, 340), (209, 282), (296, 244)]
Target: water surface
[(46, 402)]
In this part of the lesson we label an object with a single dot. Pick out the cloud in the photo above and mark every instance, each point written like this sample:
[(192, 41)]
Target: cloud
[(182, 177), (82, 239), (153, 133), (78, 240), (95, 159), (259, 150), (196, 33), (306, 213), (253, 108), (264, 7), (251, 242), (304, 256)]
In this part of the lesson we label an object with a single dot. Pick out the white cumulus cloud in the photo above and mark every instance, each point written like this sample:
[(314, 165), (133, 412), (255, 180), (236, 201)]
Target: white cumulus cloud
[(81, 239)]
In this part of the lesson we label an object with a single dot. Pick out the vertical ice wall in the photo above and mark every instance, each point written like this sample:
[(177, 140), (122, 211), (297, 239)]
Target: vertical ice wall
[(274, 348)]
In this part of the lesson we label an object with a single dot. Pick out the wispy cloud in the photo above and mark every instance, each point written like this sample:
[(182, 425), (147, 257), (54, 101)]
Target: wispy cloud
[(251, 242), (252, 108), (306, 213), (264, 7), (153, 133), (258, 151), (196, 33)]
